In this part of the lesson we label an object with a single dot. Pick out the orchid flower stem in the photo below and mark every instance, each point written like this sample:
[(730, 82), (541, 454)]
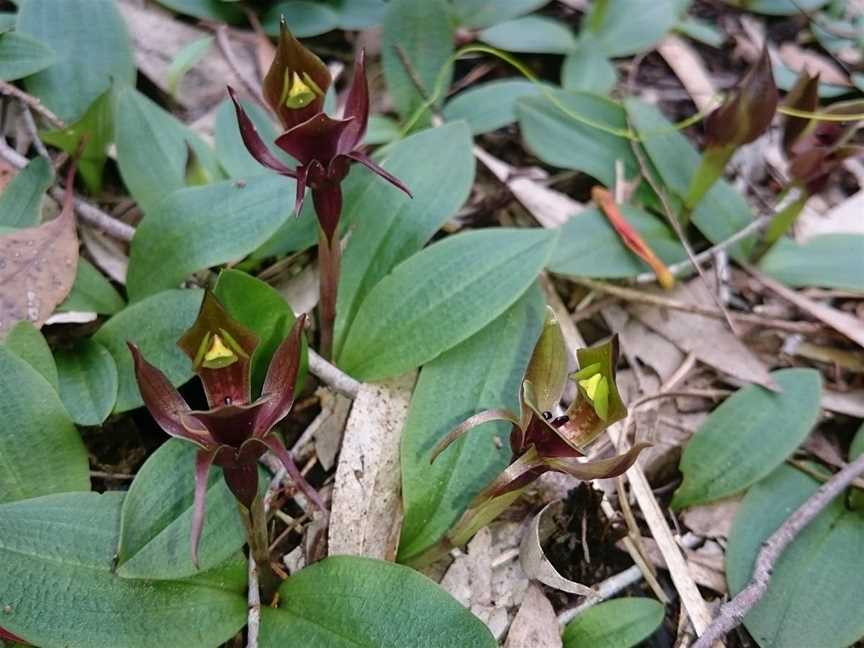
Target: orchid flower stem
[(329, 263), (255, 520)]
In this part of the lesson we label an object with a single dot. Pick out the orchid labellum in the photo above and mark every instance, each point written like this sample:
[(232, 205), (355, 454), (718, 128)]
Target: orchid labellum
[(235, 431)]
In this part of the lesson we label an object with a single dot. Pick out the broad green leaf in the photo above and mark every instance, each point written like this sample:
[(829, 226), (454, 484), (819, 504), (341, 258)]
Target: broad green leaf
[(156, 519), (154, 324), (21, 56), (748, 436), (857, 446), (87, 381), (200, 227), (489, 106), (820, 569), (382, 130), (723, 211), (620, 623), (353, 602), (21, 200), (262, 309), (62, 592), (440, 297), (25, 341), (388, 226), (589, 70), (779, 7), (531, 34), (829, 261), (152, 148), (185, 60), (423, 32), (588, 245), (630, 26), (561, 140), (296, 233), (360, 14), (230, 150), (92, 292), (95, 130), (8, 20), (476, 14), (305, 18), (92, 46), (207, 9), (40, 450), (483, 372), (702, 31)]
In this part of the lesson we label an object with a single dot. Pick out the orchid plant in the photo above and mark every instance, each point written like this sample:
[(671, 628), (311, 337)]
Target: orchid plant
[(541, 441), (235, 431), (324, 147)]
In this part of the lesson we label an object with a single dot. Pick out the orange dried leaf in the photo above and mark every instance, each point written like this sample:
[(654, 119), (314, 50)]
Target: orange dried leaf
[(631, 238)]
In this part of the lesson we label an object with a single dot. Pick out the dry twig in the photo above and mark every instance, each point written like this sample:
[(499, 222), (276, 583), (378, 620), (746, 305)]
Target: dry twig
[(332, 375), (732, 613), (31, 102)]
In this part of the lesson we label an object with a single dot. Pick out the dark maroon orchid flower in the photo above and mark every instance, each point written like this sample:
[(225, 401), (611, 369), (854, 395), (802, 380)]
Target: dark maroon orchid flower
[(324, 147), (235, 432)]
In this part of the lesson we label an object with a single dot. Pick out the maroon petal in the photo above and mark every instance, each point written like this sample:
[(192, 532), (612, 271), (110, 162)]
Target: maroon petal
[(278, 390), (243, 482), (356, 107), (278, 448), (164, 402), (315, 139), (327, 197), (254, 144), (230, 425), (369, 163), (300, 195), (202, 467)]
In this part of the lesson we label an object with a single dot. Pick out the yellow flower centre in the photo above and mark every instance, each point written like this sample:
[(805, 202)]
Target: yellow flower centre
[(298, 92), (218, 355), (590, 385)]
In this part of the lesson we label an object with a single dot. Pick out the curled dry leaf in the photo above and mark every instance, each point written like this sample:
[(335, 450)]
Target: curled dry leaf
[(37, 269), (535, 625), (367, 509), (534, 561)]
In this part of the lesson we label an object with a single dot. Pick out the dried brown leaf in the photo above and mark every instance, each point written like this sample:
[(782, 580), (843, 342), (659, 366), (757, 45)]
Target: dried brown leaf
[(37, 270), (535, 625), (367, 507)]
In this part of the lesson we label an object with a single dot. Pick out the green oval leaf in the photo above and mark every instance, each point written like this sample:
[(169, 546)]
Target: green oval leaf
[(40, 449), (29, 344), (588, 245), (154, 324), (259, 307), (388, 226), (306, 19), (153, 148), (748, 436), (589, 70), (218, 10), (88, 381), (60, 590), (91, 292), (477, 14), (483, 372), (625, 27), (440, 297), (489, 106), (232, 153), (621, 623), (830, 261), (199, 227), (422, 30), (780, 7), (92, 47), (156, 520), (821, 568), (353, 602), (21, 200), (531, 34), (21, 56)]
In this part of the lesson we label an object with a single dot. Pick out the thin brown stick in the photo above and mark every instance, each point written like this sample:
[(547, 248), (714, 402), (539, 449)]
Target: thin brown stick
[(32, 102), (253, 87), (628, 294), (253, 620), (679, 232), (89, 213), (710, 394), (731, 614), (33, 132), (333, 376)]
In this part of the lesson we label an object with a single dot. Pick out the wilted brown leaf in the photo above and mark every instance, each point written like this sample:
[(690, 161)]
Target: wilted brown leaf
[(535, 625), (37, 270)]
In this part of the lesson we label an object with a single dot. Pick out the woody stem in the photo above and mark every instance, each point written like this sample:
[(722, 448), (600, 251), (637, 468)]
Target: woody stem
[(255, 519), (329, 262)]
